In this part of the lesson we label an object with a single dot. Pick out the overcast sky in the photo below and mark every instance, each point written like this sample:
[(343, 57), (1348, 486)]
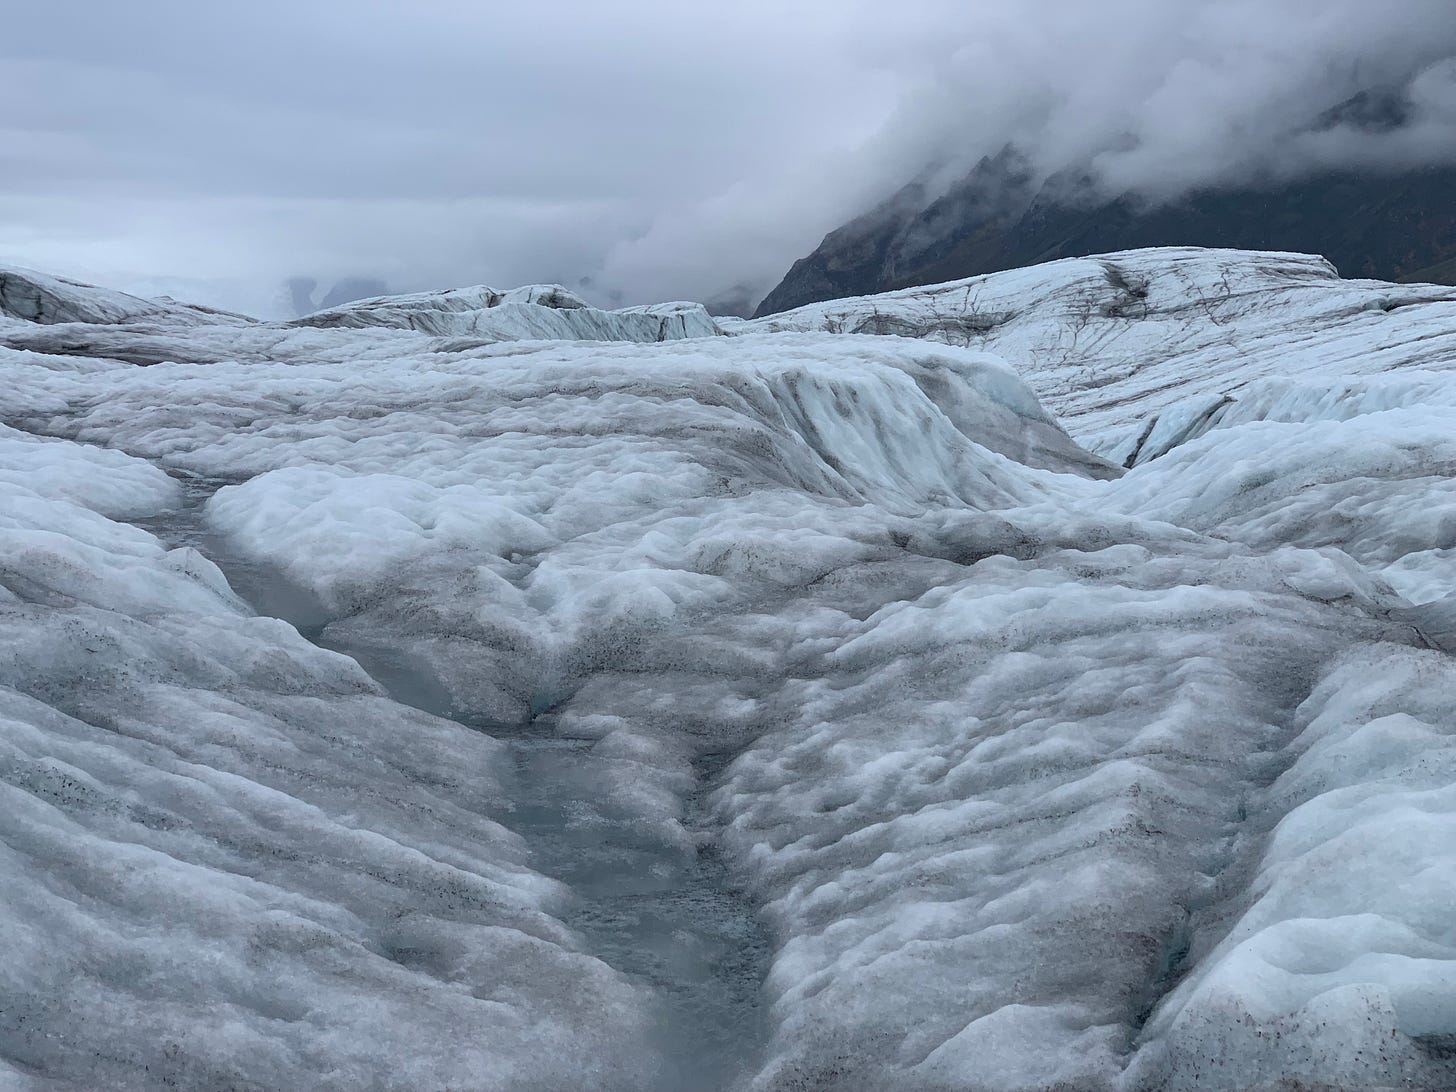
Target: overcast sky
[(658, 148)]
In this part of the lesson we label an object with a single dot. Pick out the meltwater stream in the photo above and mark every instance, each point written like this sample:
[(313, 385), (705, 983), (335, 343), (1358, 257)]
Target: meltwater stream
[(670, 919)]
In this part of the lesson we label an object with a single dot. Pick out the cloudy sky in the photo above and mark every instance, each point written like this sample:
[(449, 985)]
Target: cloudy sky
[(648, 148)]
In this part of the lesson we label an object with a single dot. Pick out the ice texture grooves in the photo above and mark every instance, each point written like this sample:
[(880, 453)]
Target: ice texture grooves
[(398, 700), (664, 914), (1110, 343)]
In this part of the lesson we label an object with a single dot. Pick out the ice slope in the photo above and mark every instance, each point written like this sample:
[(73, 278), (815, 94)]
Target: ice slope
[(575, 473), (231, 862), (1144, 351), (1003, 817), (1109, 343), (1365, 465), (823, 715)]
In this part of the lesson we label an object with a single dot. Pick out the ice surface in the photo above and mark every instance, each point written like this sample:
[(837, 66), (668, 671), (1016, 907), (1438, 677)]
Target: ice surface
[(28, 296), (1000, 808), (532, 313), (567, 496), (229, 860), (1339, 964), (791, 710), (1110, 342), (78, 327), (1368, 466)]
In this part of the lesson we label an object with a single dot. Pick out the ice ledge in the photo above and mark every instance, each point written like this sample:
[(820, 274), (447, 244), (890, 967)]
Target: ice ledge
[(548, 312)]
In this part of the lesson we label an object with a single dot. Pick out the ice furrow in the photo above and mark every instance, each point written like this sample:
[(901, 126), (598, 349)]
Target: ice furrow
[(666, 915)]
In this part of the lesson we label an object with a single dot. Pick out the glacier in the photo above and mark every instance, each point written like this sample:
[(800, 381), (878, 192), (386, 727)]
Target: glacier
[(1038, 681)]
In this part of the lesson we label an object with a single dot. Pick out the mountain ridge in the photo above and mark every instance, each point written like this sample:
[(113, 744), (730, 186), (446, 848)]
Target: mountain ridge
[(1397, 227)]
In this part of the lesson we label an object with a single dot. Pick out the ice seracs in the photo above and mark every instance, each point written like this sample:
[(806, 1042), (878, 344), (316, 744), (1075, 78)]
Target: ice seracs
[(794, 710), (80, 324), (540, 312)]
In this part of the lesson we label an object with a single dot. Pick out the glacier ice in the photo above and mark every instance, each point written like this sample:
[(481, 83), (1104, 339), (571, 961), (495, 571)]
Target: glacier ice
[(1111, 343), (479, 690), (539, 312), (231, 861), (32, 297)]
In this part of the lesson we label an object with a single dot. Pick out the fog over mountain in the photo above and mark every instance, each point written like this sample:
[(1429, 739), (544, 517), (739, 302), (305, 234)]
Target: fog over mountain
[(653, 150), (1159, 98)]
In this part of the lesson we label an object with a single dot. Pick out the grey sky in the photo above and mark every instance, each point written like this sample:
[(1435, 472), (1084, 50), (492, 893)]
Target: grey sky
[(661, 148)]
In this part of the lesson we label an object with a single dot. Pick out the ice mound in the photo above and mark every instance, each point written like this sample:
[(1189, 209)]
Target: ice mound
[(1340, 966), (786, 711), (1365, 465), (537, 312), (28, 296), (1111, 341)]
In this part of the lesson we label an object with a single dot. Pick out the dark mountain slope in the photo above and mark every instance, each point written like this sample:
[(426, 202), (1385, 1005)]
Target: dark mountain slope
[(1386, 226)]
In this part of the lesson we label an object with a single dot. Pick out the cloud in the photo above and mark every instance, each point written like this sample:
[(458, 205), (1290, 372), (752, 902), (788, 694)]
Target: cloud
[(653, 148), (1158, 97)]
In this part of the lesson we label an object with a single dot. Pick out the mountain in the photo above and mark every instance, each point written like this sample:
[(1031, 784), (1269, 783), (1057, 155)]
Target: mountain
[(1389, 226), (301, 293), (1041, 681)]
